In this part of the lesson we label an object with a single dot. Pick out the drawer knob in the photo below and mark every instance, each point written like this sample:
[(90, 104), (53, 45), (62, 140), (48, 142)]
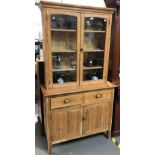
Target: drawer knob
[(83, 118), (98, 96), (67, 101)]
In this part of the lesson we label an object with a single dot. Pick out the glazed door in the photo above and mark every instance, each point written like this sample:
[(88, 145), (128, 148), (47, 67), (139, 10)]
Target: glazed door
[(94, 48), (63, 48), (66, 123), (96, 118)]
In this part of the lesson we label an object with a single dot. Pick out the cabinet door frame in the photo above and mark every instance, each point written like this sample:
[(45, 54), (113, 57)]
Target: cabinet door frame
[(92, 121), (106, 50), (54, 117), (48, 57)]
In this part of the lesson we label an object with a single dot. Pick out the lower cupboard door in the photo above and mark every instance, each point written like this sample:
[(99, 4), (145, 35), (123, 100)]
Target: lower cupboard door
[(66, 123), (96, 118)]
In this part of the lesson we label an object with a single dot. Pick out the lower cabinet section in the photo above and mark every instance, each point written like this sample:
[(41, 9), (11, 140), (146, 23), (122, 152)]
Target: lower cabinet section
[(76, 121), (66, 123), (76, 115), (95, 117)]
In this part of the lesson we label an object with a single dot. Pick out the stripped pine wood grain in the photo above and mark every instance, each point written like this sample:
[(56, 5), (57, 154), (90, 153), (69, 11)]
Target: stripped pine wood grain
[(77, 108)]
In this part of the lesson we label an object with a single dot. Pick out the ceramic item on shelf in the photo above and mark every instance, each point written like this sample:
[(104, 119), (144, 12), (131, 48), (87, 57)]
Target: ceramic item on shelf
[(88, 25), (90, 62), (92, 76), (74, 66), (57, 62), (59, 78)]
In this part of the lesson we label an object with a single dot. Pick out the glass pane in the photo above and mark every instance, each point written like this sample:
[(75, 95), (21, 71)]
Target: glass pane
[(93, 59), (95, 24), (94, 74), (64, 67), (63, 41), (94, 45), (63, 22), (93, 65), (64, 76), (94, 41), (64, 61), (64, 48)]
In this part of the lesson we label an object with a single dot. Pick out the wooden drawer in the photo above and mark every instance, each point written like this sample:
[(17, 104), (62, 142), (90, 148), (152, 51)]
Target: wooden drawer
[(64, 101), (98, 96)]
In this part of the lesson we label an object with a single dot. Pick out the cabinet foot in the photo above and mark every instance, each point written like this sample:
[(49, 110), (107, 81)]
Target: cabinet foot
[(109, 134), (49, 148)]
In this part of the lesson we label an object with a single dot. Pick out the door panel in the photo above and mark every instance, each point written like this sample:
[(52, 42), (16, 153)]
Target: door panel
[(66, 123), (96, 117), (64, 48), (93, 34)]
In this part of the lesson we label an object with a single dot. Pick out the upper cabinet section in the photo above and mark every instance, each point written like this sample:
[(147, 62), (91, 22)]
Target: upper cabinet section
[(76, 44)]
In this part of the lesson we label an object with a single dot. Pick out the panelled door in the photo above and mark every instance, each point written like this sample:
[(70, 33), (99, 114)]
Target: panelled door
[(63, 49), (93, 56), (96, 117), (66, 123)]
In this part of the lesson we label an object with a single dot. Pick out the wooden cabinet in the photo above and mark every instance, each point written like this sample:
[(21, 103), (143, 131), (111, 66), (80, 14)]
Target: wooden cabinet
[(77, 98)]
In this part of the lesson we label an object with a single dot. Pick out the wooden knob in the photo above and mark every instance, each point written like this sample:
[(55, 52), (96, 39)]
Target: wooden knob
[(98, 95), (81, 49), (67, 101), (83, 119)]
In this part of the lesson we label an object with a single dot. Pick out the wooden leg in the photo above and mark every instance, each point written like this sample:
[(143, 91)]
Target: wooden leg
[(109, 134), (48, 122), (49, 142), (49, 148)]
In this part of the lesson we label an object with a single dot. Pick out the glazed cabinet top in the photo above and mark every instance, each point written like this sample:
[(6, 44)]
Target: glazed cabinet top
[(76, 46)]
